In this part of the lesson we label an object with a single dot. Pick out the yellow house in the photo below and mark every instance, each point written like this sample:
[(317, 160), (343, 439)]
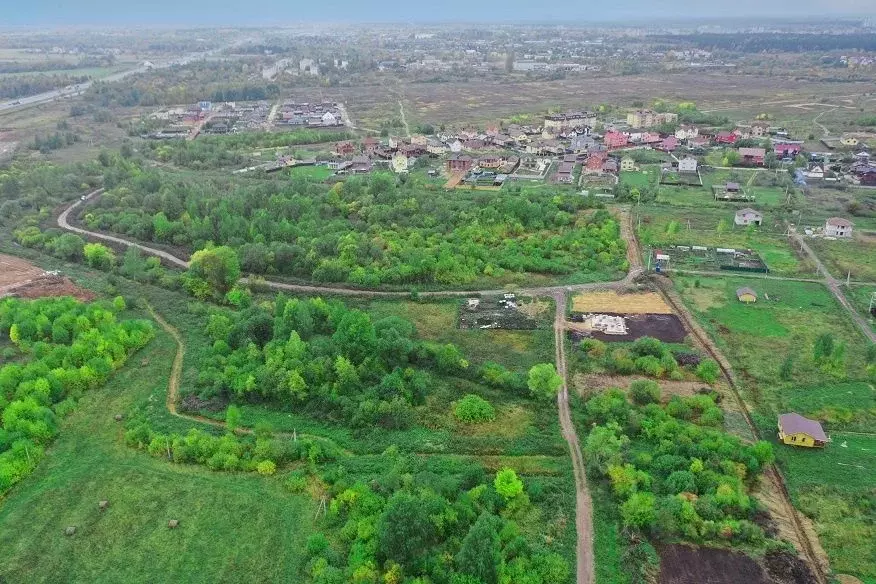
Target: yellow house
[(627, 164), (796, 430), (746, 295), (849, 141)]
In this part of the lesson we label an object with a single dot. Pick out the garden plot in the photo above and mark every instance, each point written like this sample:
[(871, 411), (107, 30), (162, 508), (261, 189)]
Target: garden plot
[(609, 316), (500, 312), (709, 258)]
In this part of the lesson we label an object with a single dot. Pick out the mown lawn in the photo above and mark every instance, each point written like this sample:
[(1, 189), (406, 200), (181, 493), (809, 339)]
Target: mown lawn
[(317, 173)]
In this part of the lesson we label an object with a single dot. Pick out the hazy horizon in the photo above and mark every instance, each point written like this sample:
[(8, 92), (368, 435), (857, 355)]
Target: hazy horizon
[(276, 12)]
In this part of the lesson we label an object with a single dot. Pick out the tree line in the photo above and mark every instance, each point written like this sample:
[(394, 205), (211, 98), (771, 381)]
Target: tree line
[(61, 348)]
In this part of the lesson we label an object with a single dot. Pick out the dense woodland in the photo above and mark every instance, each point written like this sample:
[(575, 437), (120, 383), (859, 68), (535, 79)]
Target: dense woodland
[(53, 350), (331, 362), (365, 231), (674, 472)]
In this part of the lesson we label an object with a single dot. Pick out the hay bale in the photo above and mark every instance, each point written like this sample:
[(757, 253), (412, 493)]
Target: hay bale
[(173, 524), (118, 417), (71, 530), (103, 504)]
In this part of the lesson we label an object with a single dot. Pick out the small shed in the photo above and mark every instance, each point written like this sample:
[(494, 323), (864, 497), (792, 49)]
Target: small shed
[(796, 430), (746, 295)]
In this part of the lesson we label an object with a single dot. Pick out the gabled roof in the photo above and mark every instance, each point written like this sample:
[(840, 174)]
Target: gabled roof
[(752, 152), (795, 423), (839, 222), (745, 290), (748, 211)]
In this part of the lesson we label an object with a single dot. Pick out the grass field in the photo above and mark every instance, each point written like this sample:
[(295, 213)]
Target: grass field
[(862, 297), (318, 173), (89, 462), (233, 527), (857, 257), (835, 488), (664, 225), (831, 486)]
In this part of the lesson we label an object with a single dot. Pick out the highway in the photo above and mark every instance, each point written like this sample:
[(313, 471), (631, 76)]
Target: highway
[(80, 88)]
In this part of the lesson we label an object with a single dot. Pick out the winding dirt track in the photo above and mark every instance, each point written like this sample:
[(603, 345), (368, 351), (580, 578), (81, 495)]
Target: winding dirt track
[(583, 506)]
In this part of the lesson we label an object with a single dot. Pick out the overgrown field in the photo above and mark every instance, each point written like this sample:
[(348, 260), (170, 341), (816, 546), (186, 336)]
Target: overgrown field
[(797, 350), (505, 473)]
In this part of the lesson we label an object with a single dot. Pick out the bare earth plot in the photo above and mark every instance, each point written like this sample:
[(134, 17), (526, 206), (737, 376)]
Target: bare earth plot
[(20, 278)]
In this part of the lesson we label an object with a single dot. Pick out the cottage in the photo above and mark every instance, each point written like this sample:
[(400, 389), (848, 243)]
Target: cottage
[(490, 161), (752, 155), (564, 174), (627, 164), (594, 162), (760, 129), (455, 146), (688, 164), (746, 295), (732, 187), (609, 166), (787, 149), (849, 141), (615, 140), (838, 227), (370, 144), (459, 163), (685, 132), (668, 144), (582, 144), (360, 165), (344, 148), (796, 430), (747, 216), (726, 138), (436, 147)]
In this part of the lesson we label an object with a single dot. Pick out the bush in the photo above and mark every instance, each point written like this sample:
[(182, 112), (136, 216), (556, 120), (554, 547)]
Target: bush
[(473, 409), (708, 371), (266, 467), (645, 392)]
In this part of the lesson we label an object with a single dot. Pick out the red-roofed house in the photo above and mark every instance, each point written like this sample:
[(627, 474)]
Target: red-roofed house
[(459, 163), (668, 144), (786, 150), (345, 148), (615, 140), (650, 138), (594, 162), (726, 138), (370, 144), (752, 155)]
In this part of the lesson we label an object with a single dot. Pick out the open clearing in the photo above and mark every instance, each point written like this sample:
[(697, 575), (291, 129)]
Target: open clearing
[(20, 278)]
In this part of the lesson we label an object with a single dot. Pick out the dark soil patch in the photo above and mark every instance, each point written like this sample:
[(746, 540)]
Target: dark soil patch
[(666, 327), (786, 568), (193, 404), (681, 564)]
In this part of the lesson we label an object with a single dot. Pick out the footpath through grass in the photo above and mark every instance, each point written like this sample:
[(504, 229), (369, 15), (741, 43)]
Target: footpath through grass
[(233, 527)]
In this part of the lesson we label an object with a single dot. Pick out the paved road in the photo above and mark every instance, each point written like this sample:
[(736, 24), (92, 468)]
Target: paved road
[(79, 89), (834, 287)]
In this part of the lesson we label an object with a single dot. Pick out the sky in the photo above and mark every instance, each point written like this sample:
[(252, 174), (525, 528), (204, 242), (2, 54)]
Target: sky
[(280, 12)]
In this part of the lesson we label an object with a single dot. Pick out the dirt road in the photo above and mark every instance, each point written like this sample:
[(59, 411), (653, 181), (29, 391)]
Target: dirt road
[(583, 505)]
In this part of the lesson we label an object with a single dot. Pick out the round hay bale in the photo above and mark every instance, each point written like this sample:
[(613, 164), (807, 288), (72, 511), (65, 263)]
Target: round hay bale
[(173, 524), (71, 530), (118, 417), (103, 504)]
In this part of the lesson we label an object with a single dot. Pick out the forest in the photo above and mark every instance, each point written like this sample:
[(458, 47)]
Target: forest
[(327, 361), (366, 231), (53, 350)]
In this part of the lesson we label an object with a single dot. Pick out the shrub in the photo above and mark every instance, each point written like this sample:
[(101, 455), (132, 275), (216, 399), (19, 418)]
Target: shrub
[(708, 371), (650, 365), (473, 409), (266, 467), (645, 392)]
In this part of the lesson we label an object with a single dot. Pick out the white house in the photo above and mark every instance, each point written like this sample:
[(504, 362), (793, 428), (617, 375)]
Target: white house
[(685, 132), (747, 216), (688, 164), (329, 119), (838, 227), (815, 171), (455, 146)]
